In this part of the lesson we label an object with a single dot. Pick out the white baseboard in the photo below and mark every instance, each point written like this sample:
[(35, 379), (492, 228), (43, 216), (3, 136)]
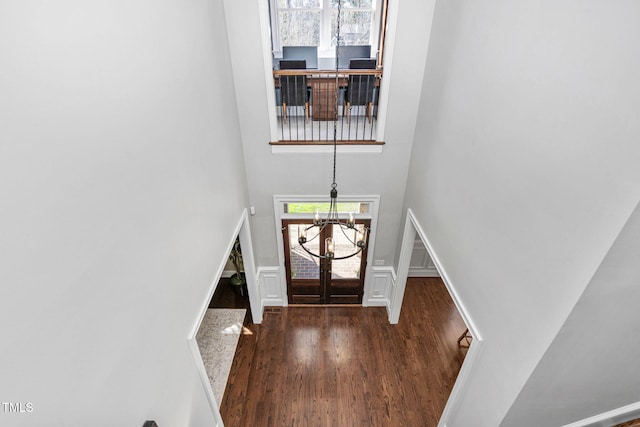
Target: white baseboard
[(609, 418), (425, 272)]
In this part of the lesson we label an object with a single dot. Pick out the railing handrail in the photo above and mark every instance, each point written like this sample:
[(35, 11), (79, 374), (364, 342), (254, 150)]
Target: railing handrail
[(346, 72)]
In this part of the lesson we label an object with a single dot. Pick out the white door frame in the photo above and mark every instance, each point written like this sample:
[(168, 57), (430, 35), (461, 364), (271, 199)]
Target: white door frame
[(250, 272), (278, 206), (243, 231)]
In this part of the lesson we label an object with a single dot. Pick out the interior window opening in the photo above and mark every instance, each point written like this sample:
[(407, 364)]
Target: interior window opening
[(312, 24)]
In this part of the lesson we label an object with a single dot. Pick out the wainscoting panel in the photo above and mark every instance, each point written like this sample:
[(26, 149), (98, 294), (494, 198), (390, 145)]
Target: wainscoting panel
[(421, 264), (269, 282), (382, 283)]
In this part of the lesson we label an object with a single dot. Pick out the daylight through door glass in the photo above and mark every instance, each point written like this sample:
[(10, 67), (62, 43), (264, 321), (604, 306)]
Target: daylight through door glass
[(303, 265)]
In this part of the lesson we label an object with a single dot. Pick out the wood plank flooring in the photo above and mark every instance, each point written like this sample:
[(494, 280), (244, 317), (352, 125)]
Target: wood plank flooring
[(632, 423), (347, 366), (225, 297)]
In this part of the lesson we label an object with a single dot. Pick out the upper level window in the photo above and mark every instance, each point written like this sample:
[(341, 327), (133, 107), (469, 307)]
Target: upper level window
[(298, 22), (313, 23), (357, 19)]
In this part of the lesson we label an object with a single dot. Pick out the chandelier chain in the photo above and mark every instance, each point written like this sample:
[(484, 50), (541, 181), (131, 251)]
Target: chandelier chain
[(337, 94), (333, 219)]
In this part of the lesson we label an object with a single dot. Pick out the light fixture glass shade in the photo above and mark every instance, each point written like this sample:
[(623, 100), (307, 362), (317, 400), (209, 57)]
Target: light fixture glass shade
[(302, 234), (361, 238), (329, 248)]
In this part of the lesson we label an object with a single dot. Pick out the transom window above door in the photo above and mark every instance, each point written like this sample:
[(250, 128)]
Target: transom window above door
[(323, 207)]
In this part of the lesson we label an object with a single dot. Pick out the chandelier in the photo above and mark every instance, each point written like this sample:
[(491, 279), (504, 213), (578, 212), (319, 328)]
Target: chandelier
[(354, 235)]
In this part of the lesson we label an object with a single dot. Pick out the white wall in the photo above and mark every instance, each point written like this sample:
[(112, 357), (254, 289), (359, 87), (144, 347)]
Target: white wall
[(592, 365), (524, 170), (121, 181), (310, 174)]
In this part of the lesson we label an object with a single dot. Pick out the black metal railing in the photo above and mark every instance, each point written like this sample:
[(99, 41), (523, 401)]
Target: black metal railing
[(306, 105)]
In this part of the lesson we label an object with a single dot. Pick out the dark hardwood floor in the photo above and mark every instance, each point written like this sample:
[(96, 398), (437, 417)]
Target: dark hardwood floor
[(225, 297), (632, 423), (347, 366)]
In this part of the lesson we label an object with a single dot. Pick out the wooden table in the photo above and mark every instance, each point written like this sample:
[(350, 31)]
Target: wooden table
[(323, 96)]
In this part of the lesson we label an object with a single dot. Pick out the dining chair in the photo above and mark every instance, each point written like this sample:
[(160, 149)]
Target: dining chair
[(361, 88), (293, 89)]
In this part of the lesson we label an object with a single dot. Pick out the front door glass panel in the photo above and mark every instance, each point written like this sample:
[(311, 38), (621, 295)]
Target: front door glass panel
[(344, 241), (313, 280), (303, 265)]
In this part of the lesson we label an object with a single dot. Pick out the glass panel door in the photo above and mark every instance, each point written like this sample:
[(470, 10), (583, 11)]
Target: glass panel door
[(345, 283), (303, 265), (313, 280), (344, 241), (304, 272)]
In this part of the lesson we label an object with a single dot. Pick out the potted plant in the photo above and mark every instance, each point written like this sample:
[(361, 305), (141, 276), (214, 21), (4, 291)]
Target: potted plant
[(238, 281)]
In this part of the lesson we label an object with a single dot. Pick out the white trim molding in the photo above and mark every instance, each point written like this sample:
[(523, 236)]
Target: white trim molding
[(411, 230), (609, 418), (314, 148), (269, 280), (242, 231), (382, 283), (204, 380), (421, 264), (464, 313), (218, 275)]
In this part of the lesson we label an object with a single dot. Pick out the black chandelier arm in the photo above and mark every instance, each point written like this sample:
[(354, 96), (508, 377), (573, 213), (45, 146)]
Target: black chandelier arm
[(346, 225), (309, 252), (320, 226), (360, 248), (343, 224), (360, 244)]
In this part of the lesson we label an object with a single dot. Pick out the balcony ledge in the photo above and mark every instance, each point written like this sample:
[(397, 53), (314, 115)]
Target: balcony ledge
[(287, 147)]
